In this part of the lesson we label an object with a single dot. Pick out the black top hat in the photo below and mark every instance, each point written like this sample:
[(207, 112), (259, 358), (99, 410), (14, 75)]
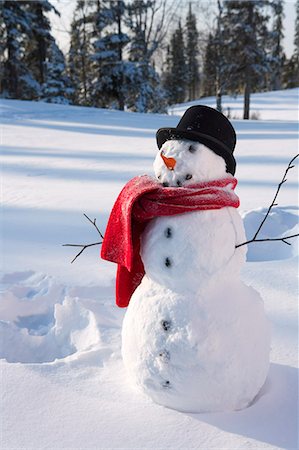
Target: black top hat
[(209, 127)]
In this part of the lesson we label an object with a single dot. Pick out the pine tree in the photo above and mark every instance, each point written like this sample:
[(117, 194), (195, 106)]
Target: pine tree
[(43, 57), (277, 56), (291, 67), (146, 94), (290, 75), (110, 83), (221, 56), (209, 68), (246, 58), (57, 86), (17, 81), (192, 64), (175, 78), (2, 47), (37, 47), (28, 49), (217, 59), (296, 46), (79, 61), (73, 63), (296, 37)]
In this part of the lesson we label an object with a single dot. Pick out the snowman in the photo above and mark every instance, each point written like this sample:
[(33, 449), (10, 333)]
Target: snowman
[(195, 338)]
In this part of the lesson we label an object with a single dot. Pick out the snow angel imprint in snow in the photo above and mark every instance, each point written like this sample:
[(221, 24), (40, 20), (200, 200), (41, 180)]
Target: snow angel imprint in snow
[(195, 338)]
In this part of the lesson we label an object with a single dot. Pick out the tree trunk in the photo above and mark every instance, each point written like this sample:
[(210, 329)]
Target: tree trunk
[(219, 100), (219, 53), (218, 93), (83, 59), (247, 100), (121, 101), (12, 68), (42, 47), (248, 68)]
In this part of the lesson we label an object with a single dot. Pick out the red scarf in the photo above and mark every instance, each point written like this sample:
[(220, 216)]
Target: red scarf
[(141, 200)]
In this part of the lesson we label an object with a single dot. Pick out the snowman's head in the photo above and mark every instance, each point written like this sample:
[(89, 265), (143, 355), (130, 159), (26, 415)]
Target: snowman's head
[(183, 162)]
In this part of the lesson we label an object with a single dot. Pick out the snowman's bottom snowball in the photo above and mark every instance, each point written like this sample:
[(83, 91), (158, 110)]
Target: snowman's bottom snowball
[(202, 352)]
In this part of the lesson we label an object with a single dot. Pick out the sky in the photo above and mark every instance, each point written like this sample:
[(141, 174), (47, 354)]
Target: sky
[(61, 25)]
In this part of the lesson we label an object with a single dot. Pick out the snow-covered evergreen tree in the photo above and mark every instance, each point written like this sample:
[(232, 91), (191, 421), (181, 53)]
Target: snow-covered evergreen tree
[(57, 86), (290, 75), (296, 46), (36, 48), (2, 48), (221, 56), (216, 59), (277, 56), (110, 82), (246, 59), (296, 37), (176, 76), (17, 80), (209, 67), (43, 57), (146, 94), (73, 62), (30, 53), (192, 52), (79, 61)]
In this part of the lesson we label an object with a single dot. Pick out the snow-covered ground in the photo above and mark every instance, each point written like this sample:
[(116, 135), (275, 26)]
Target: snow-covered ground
[(63, 381), (283, 105)]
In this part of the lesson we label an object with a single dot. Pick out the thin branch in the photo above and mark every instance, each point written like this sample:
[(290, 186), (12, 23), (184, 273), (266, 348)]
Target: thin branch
[(85, 246), (94, 224), (283, 239), (290, 166), (275, 196)]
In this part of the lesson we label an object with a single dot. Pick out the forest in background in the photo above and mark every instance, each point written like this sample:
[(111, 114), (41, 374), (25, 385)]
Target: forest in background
[(139, 56)]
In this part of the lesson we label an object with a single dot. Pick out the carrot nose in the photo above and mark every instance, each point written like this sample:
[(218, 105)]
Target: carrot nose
[(169, 162)]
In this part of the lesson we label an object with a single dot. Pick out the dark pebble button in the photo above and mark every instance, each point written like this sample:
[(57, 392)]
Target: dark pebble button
[(166, 325), (166, 384), (167, 262), (164, 355), (168, 232)]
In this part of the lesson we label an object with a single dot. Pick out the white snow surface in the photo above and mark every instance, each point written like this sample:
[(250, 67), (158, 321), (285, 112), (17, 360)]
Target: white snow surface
[(63, 383), (283, 105)]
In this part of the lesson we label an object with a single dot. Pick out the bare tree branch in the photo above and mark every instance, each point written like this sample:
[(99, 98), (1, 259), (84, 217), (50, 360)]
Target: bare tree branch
[(283, 239), (94, 223), (85, 246), (254, 239)]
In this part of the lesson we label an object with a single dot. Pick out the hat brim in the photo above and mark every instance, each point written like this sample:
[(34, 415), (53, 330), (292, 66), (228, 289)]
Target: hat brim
[(168, 134)]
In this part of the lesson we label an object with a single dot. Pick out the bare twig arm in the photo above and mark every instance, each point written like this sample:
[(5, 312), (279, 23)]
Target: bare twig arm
[(290, 166), (94, 224), (283, 239), (85, 246)]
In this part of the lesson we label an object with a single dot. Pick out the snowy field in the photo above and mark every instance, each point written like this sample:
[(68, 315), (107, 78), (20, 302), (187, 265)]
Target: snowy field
[(283, 105), (63, 381)]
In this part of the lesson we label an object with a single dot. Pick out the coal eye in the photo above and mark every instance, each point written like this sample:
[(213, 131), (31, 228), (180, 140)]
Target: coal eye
[(188, 176), (192, 149)]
